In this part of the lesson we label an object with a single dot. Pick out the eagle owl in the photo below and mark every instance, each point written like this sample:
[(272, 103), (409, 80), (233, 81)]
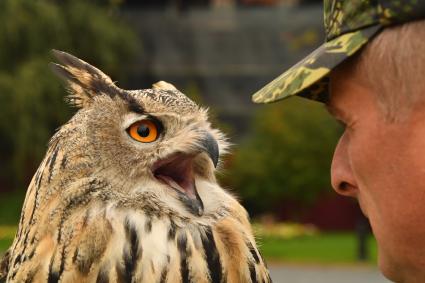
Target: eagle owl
[(127, 193)]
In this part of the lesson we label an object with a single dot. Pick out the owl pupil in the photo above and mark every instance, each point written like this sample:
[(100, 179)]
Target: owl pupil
[(143, 131)]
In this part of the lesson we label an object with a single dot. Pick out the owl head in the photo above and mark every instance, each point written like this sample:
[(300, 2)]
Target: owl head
[(151, 140)]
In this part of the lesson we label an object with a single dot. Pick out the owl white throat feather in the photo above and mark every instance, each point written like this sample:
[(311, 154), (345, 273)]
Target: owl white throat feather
[(127, 193)]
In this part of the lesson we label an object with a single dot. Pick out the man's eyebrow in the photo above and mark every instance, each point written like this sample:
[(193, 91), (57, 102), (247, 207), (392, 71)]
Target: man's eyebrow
[(331, 109), (334, 111)]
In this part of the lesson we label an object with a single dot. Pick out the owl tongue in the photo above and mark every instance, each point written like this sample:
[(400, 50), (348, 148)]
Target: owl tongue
[(189, 189), (177, 172)]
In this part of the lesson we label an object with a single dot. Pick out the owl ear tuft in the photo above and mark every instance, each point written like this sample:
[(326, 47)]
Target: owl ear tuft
[(85, 81), (163, 85)]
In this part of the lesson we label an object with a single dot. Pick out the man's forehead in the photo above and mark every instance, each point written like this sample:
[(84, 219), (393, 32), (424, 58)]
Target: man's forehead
[(344, 89), (349, 95), (337, 87)]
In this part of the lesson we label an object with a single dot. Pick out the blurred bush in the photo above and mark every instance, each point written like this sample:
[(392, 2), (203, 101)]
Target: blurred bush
[(284, 230), (31, 98), (287, 156)]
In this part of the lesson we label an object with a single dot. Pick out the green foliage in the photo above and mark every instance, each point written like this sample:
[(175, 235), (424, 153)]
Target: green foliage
[(31, 97), (287, 156)]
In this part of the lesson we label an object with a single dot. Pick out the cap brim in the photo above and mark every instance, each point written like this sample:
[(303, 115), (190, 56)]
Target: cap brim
[(308, 78)]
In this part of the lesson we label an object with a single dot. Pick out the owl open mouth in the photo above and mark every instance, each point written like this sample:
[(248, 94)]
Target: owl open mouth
[(177, 172)]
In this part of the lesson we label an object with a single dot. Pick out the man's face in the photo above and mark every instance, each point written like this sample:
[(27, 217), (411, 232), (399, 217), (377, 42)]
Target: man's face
[(382, 164)]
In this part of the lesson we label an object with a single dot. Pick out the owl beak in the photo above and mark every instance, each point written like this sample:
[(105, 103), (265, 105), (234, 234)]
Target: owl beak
[(210, 146), (177, 173)]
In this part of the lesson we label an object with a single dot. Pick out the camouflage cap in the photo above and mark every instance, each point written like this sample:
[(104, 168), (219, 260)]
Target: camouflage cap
[(349, 25)]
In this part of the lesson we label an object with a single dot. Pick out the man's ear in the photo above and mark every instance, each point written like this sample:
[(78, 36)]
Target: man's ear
[(84, 80)]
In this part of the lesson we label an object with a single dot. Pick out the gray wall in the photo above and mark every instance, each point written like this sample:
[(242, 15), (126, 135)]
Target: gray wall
[(227, 53)]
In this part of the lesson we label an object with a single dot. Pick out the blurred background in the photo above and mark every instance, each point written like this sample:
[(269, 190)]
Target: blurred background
[(218, 52)]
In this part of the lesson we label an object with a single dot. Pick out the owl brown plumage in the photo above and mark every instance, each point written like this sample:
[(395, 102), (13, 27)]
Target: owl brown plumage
[(127, 193)]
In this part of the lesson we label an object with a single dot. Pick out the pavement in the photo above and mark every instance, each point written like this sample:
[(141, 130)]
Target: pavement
[(325, 274)]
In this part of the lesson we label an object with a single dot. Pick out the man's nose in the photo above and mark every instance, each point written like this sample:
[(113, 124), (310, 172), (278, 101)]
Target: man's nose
[(342, 178)]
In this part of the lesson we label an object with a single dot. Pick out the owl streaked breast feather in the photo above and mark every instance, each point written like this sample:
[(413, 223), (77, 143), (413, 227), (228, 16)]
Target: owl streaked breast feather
[(127, 193)]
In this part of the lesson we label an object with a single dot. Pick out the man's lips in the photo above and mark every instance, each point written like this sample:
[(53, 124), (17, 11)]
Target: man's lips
[(176, 171)]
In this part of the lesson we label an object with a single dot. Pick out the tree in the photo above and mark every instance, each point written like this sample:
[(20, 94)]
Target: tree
[(31, 98), (287, 156)]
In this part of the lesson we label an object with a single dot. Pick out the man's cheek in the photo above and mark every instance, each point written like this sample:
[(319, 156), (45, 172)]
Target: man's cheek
[(363, 204)]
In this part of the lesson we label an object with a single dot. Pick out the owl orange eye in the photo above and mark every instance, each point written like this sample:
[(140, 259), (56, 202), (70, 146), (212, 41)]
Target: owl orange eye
[(144, 131)]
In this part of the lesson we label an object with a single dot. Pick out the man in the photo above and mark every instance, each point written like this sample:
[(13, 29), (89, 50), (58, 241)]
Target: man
[(373, 64)]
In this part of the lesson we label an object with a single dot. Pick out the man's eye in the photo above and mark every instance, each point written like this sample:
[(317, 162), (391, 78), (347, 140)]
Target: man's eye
[(341, 124)]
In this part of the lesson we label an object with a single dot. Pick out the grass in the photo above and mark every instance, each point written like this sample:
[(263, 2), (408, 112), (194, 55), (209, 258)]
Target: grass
[(322, 248), (10, 210), (7, 233)]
